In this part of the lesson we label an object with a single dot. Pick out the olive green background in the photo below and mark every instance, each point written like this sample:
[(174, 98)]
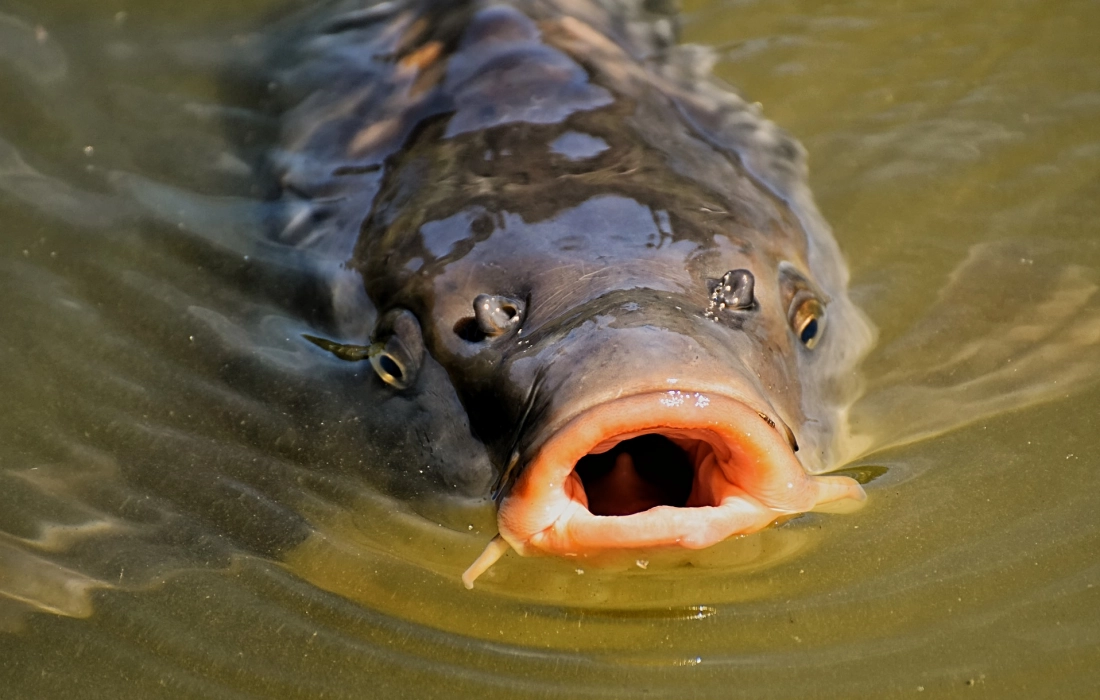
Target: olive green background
[(974, 569)]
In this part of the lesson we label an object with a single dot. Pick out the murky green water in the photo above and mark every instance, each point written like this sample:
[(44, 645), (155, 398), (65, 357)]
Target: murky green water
[(144, 382)]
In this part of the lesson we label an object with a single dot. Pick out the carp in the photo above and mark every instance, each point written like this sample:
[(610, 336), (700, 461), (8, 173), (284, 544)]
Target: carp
[(590, 264), (446, 257)]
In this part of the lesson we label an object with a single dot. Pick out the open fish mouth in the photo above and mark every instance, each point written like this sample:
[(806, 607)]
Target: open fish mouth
[(666, 469)]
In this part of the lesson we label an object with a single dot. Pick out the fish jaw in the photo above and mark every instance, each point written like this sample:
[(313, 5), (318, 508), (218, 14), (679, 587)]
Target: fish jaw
[(746, 475)]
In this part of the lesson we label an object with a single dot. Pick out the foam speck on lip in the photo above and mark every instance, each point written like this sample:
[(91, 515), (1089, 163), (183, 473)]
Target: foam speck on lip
[(673, 398)]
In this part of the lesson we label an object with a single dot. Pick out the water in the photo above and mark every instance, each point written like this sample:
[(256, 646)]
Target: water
[(153, 396)]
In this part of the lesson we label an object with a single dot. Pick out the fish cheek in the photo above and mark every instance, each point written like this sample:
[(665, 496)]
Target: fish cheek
[(421, 437)]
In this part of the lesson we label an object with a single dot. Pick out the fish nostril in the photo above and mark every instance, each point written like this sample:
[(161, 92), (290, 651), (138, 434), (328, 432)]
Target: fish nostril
[(468, 329), (493, 317), (735, 290), (496, 315)]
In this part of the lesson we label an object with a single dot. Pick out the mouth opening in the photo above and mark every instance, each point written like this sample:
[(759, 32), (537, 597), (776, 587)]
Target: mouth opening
[(640, 473), (665, 469)]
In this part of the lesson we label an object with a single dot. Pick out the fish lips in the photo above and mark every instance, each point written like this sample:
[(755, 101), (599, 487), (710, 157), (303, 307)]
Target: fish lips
[(746, 475)]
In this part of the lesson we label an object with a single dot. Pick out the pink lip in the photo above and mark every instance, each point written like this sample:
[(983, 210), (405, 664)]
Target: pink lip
[(745, 476)]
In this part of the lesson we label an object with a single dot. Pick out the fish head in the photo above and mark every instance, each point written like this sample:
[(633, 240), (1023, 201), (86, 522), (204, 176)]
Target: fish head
[(639, 367), (615, 262)]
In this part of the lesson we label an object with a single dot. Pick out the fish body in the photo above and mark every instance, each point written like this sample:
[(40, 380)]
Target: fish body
[(597, 284)]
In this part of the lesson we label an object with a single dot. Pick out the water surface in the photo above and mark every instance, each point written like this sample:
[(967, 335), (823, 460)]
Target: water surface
[(159, 397)]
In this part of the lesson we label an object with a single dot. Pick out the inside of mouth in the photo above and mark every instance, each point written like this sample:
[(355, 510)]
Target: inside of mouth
[(642, 472)]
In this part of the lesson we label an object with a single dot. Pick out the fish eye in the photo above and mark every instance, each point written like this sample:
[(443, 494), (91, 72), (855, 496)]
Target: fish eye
[(398, 349), (388, 367), (395, 356), (807, 318)]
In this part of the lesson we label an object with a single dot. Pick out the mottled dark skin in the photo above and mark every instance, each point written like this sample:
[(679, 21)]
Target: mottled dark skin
[(565, 156)]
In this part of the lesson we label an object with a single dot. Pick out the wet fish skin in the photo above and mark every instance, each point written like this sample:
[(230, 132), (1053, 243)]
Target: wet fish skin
[(568, 157)]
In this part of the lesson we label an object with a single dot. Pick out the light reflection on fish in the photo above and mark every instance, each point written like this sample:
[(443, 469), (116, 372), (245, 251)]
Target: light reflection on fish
[(615, 261)]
